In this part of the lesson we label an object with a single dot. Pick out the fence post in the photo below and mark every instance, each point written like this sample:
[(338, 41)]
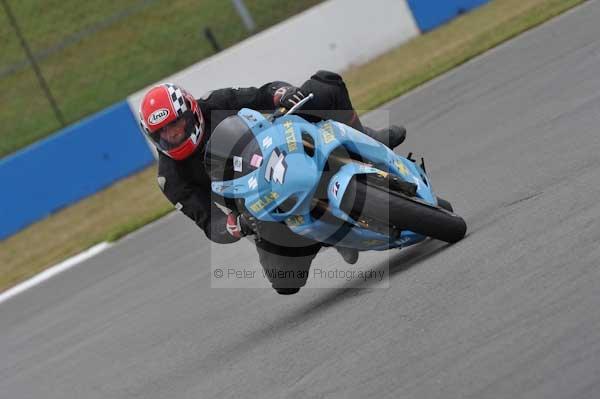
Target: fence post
[(243, 12), (34, 64)]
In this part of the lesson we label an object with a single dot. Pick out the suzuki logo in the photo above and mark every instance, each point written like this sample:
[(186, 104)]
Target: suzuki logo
[(158, 116), (276, 167), (267, 141), (252, 183)]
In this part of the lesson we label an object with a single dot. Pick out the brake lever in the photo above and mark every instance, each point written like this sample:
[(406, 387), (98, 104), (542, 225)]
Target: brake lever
[(281, 111), (300, 103)]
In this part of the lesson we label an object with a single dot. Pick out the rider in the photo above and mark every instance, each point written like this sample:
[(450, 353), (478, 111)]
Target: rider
[(179, 126)]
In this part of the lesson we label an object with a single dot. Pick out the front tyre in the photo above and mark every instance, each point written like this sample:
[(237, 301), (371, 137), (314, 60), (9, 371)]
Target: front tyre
[(381, 206)]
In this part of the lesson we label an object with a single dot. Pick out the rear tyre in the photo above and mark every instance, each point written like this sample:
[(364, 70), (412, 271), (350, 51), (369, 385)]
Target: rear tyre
[(379, 206)]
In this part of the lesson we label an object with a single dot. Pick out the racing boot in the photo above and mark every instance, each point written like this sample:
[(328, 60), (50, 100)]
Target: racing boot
[(350, 255), (287, 291), (391, 136)]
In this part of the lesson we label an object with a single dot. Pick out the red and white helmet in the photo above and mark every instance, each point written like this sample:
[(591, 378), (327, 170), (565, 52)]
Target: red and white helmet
[(171, 118)]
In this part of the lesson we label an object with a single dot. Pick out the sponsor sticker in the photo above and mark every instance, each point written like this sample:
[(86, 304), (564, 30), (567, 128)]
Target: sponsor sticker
[(250, 117), (335, 189), (158, 116), (290, 136), (401, 167), (267, 141), (264, 201), (256, 160), (327, 133), (295, 220), (237, 163), (218, 188), (252, 183), (374, 242)]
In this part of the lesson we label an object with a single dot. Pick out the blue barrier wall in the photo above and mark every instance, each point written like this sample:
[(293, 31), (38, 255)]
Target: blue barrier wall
[(70, 165), (430, 14)]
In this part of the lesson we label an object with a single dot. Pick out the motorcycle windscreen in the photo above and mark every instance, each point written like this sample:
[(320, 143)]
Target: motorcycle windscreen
[(232, 150)]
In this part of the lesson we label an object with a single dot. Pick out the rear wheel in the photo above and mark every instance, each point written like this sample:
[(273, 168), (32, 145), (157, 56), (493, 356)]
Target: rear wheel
[(372, 204)]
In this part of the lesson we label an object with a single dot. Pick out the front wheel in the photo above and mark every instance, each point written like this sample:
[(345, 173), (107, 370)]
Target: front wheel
[(399, 211)]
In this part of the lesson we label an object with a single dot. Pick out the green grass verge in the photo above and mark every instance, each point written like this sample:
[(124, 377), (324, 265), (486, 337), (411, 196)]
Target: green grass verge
[(105, 216), (445, 48), (136, 201), (130, 226), (123, 46)]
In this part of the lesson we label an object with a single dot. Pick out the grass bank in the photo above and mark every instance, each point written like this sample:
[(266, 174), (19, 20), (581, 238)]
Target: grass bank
[(137, 200), (101, 51)]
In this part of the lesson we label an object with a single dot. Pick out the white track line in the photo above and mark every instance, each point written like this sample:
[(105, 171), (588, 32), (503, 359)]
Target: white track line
[(54, 270)]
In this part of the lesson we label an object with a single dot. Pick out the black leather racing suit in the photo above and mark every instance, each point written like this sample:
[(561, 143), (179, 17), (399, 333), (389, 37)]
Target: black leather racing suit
[(186, 184)]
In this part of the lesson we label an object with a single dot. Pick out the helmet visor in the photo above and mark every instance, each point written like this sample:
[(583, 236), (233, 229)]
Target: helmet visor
[(175, 133)]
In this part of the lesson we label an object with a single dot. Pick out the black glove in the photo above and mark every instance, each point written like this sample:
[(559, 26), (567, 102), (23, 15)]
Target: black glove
[(287, 96), (234, 227), (240, 226), (248, 224)]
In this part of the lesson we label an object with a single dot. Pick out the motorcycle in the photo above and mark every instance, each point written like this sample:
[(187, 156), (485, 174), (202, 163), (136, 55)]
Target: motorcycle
[(326, 181)]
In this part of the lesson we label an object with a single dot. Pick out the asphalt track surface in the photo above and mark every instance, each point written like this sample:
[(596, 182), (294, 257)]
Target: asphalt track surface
[(513, 310)]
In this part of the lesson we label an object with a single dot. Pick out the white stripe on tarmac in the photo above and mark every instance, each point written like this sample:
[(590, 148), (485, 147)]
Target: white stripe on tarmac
[(54, 270)]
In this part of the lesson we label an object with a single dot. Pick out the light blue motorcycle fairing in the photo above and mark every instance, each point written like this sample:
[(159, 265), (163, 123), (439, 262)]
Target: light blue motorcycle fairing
[(263, 196)]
